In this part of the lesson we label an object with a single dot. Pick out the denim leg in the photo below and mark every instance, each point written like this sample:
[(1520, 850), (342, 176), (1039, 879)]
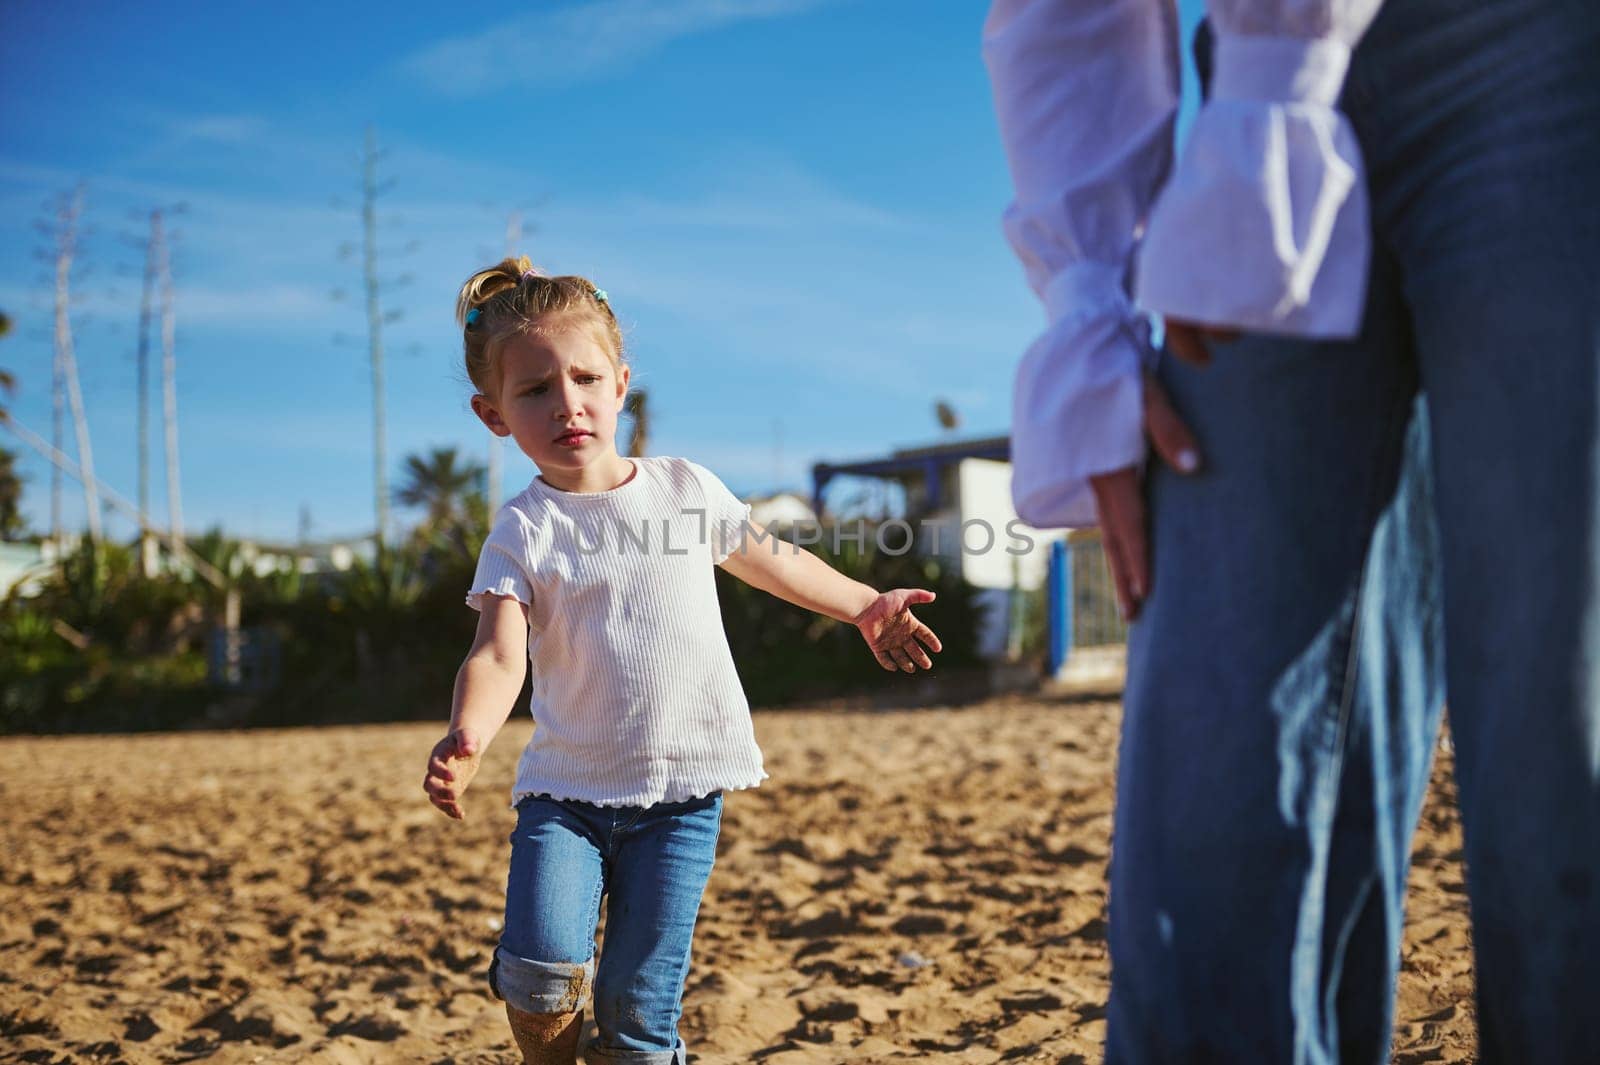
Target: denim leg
[(1353, 918), (545, 960), (1248, 864), (661, 859), (1497, 228)]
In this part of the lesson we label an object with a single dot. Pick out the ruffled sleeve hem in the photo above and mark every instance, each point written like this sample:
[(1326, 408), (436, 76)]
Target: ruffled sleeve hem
[(498, 572), (727, 516), (503, 587), (1288, 252)]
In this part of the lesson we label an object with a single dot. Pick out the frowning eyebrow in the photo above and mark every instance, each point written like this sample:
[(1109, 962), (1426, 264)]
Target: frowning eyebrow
[(524, 382)]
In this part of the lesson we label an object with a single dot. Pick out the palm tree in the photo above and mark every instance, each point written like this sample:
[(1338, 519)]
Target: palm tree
[(8, 380), (636, 407), (11, 523), (438, 484)]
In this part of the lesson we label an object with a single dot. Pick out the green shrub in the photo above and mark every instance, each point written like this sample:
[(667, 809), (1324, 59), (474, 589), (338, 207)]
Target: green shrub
[(786, 654), (379, 642)]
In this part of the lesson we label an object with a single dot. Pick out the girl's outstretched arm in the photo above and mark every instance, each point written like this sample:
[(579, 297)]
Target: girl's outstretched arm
[(486, 689), (898, 640)]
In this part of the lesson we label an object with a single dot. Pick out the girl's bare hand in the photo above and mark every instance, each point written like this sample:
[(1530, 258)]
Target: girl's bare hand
[(451, 767), (1119, 496), (897, 639)]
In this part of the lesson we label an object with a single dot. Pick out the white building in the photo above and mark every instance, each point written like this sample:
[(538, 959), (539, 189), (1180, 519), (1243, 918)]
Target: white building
[(957, 499), (23, 566)]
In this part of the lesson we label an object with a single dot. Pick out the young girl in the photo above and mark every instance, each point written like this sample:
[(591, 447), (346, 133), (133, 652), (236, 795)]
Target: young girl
[(599, 573)]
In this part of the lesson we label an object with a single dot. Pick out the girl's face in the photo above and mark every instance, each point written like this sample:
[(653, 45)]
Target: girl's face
[(559, 397)]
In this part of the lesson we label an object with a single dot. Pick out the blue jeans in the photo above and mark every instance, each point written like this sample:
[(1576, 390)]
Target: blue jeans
[(652, 862), (1380, 521)]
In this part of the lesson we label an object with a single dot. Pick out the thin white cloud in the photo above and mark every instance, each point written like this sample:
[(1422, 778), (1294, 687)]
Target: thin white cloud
[(582, 41), (218, 129), (778, 200), (254, 303)]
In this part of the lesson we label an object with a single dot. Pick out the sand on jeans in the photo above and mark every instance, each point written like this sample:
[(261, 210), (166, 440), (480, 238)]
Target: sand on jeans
[(918, 885)]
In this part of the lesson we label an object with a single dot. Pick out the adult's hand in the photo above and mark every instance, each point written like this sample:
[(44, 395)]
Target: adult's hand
[(1118, 495)]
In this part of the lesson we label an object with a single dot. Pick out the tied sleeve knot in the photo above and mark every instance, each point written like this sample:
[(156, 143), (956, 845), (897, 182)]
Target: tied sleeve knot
[(1087, 289), (1076, 404)]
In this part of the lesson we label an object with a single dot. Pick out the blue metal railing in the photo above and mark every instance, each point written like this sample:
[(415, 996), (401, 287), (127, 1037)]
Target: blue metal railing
[(1080, 599)]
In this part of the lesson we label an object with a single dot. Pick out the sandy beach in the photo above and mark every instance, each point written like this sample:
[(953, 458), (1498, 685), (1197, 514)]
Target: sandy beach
[(911, 885)]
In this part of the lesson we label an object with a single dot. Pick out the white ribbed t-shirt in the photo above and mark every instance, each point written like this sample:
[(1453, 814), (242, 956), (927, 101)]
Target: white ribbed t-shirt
[(635, 696)]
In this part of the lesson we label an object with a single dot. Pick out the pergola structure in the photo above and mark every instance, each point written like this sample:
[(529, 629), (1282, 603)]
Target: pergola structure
[(909, 463)]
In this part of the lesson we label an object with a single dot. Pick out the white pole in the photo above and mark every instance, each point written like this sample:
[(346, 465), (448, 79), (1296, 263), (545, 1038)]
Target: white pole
[(147, 545), (67, 245), (169, 382)]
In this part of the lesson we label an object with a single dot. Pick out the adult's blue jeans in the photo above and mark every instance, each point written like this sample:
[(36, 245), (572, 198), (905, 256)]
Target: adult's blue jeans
[(1379, 522), (651, 863)]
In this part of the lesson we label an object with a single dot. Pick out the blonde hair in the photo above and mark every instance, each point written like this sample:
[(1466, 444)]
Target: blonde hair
[(512, 298)]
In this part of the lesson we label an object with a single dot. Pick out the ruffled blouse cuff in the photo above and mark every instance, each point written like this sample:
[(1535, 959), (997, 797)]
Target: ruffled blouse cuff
[(1263, 225), (1076, 407), (498, 574)]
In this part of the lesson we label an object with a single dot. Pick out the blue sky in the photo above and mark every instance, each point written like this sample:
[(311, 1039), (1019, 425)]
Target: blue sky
[(794, 205)]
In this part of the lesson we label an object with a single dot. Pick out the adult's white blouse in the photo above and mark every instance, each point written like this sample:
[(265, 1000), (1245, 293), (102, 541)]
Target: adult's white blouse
[(1261, 225)]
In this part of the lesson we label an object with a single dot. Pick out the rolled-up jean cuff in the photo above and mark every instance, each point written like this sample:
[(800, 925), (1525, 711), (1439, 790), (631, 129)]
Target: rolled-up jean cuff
[(594, 1054), (542, 986)]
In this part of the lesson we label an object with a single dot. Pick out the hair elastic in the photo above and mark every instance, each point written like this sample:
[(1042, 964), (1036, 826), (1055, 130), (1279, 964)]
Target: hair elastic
[(473, 316), (600, 295)]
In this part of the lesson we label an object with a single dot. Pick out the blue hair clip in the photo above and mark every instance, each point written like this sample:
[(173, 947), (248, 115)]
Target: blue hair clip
[(600, 294), (473, 315)]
